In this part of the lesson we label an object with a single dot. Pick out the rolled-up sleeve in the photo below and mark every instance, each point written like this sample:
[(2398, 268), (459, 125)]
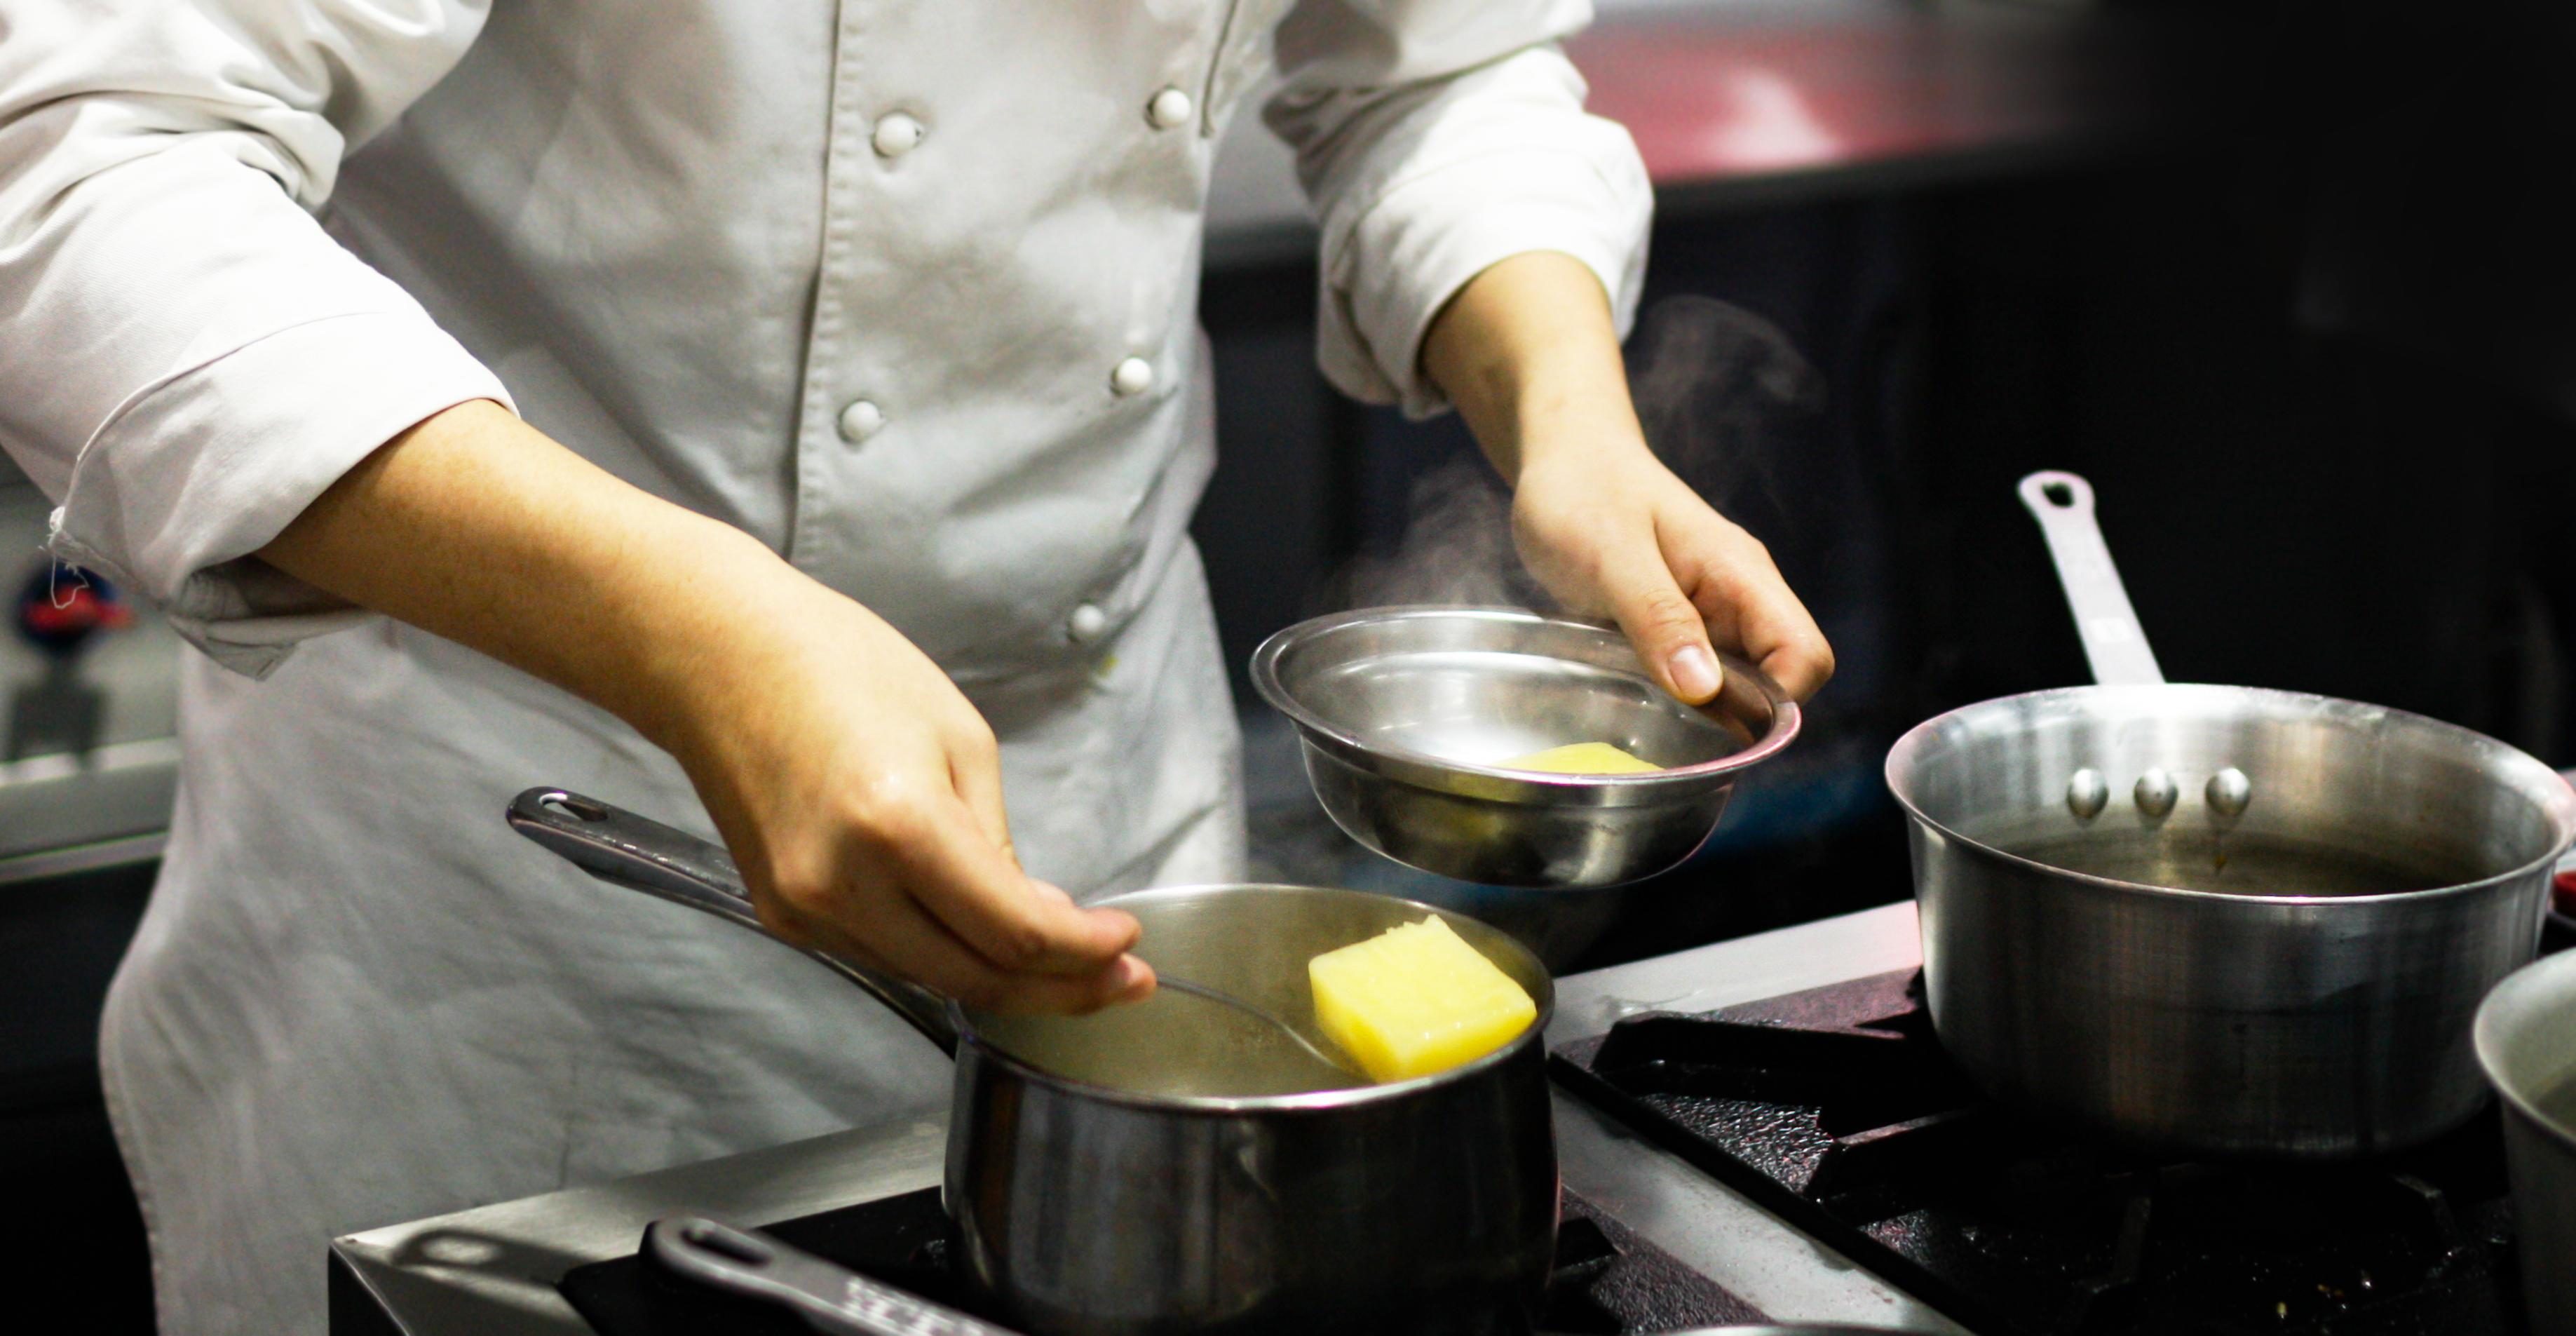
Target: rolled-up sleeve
[(1437, 137), (189, 358)]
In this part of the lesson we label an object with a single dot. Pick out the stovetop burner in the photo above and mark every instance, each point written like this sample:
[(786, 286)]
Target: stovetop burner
[(1608, 1281), (1836, 1109)]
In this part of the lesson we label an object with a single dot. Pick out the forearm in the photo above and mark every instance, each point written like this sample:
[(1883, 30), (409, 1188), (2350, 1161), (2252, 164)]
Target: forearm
[(859, 791), (1528, 353), (477, 527)]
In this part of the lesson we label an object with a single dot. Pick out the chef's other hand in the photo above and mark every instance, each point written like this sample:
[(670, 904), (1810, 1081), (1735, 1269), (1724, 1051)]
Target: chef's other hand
[(858, 789), (1617, 535), (1528, 352)]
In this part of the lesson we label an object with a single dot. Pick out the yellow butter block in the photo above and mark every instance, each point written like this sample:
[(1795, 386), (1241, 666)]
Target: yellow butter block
[(1414, 1000), (1582, 758)]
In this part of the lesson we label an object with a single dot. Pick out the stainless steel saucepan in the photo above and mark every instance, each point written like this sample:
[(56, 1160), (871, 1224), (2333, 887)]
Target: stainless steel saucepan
[(1175, 1166), (2223, 919)]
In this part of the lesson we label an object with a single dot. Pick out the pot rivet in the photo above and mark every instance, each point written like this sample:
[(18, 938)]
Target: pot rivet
[(2087, 793), (2155, 793), (2228, 792)]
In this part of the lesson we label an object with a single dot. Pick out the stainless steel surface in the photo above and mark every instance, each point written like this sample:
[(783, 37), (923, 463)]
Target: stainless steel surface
[(2228, 793), (1406, 713), (2156, 793), (2087, 793), (829, 1297), (2113, 643), (1703, 1223), (490, 1271), (1747, 969), (2526, 1042), (1166, 1167), (2275, 948)]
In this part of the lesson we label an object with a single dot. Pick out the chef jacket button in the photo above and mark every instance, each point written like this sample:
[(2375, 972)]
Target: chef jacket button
[(895, 135), (1169, 110), (860, 421), (1086, 623), (1135, 375)]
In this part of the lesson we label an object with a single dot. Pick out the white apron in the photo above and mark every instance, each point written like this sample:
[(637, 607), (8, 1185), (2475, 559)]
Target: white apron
[(904, 288)]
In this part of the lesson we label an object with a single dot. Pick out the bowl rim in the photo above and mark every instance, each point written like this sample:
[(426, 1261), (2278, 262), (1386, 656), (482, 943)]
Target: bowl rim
[(1786, 718)]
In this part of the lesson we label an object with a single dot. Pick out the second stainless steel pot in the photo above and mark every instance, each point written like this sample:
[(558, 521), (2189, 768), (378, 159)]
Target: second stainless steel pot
[(1172, 1167), (2221, 919)]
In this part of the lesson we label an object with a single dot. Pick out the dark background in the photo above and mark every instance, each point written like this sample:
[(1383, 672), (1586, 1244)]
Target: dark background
[(2312, 345)]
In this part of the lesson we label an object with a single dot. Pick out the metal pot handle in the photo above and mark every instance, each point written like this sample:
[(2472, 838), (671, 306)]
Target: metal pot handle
[(641, 854), (2113, 640)]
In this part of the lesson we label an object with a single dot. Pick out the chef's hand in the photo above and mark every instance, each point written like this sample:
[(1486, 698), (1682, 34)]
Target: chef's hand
[(1528, 352), (862, 796), (859, 791)]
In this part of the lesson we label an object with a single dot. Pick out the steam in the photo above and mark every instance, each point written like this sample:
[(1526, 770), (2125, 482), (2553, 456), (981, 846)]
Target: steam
[(1456, 548), (1712, 382)]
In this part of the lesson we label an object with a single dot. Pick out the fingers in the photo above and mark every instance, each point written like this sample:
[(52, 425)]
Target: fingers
[(905, 939), (947, 866), (928, 898), (1731, 578), (1668, 630)]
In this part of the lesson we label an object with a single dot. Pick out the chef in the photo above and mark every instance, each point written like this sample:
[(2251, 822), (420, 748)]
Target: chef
[(782, 418)]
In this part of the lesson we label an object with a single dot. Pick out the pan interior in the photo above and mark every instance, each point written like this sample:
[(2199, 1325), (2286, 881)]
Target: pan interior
[(1253, 942), (2347, 799), (2249, 862)]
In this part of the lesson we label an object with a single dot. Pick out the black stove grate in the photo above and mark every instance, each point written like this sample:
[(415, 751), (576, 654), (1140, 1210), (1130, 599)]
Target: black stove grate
[(1608, 1282), (1836, 1109)]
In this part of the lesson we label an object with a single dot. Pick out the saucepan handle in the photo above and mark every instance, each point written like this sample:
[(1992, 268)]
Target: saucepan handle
[(830, 1297), (642, 854), (2113, 640)]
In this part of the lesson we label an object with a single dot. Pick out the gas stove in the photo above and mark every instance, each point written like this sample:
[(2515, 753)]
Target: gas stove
[(1757, 1127), (1608, 1280), (1835, 1108)]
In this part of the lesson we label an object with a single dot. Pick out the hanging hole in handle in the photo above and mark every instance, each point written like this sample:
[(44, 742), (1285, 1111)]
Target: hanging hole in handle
[(574, 806), (727, 1244), (2058, 494)]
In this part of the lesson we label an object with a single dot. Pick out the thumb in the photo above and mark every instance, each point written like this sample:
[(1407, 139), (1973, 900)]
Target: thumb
[(1663, 625)]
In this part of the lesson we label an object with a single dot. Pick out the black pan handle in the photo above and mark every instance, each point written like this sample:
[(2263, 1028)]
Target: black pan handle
[(641, 854), (831, 1298)]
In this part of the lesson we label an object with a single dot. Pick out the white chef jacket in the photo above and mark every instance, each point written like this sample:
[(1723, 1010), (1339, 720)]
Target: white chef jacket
[(904, 288)]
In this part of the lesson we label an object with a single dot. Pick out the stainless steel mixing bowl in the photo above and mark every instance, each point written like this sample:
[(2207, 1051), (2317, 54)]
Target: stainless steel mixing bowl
[(1404, 713)]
